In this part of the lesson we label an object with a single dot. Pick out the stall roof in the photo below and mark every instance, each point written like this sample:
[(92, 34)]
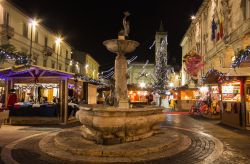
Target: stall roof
[(32, 71)]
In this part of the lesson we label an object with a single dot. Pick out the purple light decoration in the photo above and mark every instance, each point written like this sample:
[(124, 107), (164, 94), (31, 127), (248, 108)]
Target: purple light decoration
[(71, 86), (241, 57)]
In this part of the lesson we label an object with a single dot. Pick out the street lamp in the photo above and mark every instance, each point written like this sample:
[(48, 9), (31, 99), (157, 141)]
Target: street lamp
[(58, 43), (193, 17), (33, 24)]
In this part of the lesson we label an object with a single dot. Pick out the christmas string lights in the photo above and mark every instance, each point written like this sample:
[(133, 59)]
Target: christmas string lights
[(241, 57), (8, 52)]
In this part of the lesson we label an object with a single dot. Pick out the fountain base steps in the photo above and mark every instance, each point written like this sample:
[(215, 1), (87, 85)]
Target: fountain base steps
[(72, 147)]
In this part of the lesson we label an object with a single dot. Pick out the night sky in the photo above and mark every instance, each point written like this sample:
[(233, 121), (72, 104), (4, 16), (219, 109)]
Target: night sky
[(85, 24)]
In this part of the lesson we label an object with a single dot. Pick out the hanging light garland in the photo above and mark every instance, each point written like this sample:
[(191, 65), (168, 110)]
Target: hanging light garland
[(221, 76), (8, 52), (241, 57)]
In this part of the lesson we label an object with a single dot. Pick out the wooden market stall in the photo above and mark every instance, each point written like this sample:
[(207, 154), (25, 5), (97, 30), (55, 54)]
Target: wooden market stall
[(235, 100), (184, 97), (138, 95), (42, 94), (90, 94)]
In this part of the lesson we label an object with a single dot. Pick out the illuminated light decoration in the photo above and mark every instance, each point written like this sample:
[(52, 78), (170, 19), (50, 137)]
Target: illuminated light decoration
[(58, 40), (110, 72), (204, 89), (242, 56), (33, 23), (193, 63), (214, 76), (142, 85), (111, 69), (8, 53), (193, 17), (161, 68), (171, 85), (132, 59), (152, 45)]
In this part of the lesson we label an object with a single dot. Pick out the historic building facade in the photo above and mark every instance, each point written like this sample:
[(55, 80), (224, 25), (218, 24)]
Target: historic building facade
[(220, 29), (83, 63), (91, 67), (44, 48), (141, 74)]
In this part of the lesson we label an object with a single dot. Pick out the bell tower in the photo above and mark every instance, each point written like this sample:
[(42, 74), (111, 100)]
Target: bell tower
[(161, 38)]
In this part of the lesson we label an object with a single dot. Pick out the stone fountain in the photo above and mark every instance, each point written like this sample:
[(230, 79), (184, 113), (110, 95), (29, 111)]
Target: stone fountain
[(112, 125), (111, 134)]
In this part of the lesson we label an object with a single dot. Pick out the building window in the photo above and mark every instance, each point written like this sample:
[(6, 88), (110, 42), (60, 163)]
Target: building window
[(53, 64), (46, 41), (54, 47), (60, 67), (36, 37), (59, 51), (25, 30), (222, 63), (35, 60), (66, 67), (67, 52), (6, 18), (45, 62)]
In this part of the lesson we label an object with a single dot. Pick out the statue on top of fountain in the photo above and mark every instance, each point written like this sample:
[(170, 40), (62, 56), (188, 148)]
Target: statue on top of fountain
[(125, 31)]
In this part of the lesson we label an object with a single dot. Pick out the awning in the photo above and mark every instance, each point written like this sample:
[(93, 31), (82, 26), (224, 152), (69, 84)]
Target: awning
[(32, 71)]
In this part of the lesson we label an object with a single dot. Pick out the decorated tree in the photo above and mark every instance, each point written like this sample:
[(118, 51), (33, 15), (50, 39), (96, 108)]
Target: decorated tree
[(161, 67), (194, 64)]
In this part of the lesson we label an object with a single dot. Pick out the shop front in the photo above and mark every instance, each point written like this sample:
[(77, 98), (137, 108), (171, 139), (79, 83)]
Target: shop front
[(41, 95), (138, 96), (236, 102), (184, 98)]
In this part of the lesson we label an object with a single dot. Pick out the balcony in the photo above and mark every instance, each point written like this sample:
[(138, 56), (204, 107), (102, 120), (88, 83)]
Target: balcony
[(47, 51), (6, 32)]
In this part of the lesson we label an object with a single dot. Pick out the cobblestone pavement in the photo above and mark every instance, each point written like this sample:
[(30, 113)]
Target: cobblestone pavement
[(236, 143)]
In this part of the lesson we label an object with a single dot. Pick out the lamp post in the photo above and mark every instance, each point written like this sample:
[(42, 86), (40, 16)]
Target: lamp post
[(33, 24), (58, 43)]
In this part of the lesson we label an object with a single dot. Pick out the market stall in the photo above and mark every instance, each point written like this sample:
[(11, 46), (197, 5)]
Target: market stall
[(42, 94), (184, 97), (236, 92), (233, 102), (139, 95), (76, 89), (90, 93), (209, 97)]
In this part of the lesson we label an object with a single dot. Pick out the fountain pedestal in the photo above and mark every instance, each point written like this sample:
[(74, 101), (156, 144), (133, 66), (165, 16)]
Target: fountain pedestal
[(121, 81), (121, 47)]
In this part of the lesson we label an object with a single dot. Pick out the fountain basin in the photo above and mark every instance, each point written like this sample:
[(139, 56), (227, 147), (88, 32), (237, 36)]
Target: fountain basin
[(121, 46), (108, 125)]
